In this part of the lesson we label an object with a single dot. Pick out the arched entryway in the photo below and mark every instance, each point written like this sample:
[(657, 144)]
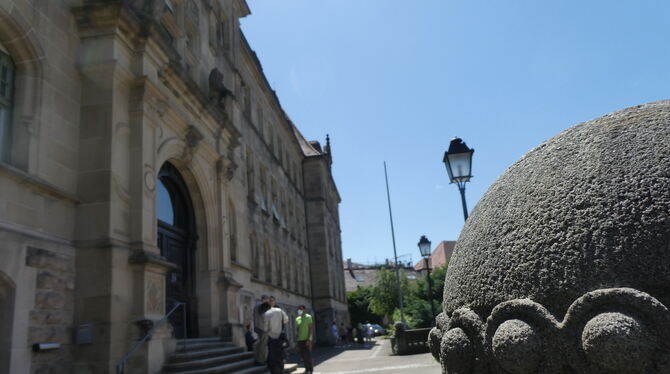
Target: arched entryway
[(177, 242), (6, 321)]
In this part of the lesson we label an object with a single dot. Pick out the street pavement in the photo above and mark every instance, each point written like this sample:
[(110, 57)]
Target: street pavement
[(374, 357)]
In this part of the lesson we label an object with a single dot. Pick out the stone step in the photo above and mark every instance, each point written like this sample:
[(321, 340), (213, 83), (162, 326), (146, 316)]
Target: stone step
[(227, 368), (206, 362), (202, 354), (290, 368), (200, 340), (199, 346), (253, 370)]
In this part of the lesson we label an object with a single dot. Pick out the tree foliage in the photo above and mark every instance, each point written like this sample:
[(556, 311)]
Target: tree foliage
[(375, 302), (359, 306)]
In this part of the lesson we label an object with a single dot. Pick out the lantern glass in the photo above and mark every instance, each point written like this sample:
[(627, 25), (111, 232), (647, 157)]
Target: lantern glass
[(458, 160), (424, 246)]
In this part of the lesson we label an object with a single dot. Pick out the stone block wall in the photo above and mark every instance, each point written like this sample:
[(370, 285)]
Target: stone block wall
[(51, 318)]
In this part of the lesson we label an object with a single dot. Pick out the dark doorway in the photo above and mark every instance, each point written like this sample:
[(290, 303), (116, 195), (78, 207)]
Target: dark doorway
[(177, 243)]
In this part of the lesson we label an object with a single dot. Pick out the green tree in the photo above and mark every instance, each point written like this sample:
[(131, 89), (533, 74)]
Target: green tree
[(384, 297), (359, 306), (418, 305)]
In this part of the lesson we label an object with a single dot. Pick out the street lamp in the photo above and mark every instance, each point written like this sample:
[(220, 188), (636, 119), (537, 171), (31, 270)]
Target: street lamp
[(458, 160), (424, 248)]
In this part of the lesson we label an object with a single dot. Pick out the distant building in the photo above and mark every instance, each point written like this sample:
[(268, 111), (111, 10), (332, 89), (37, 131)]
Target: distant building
[(360, 276), (441, 255)]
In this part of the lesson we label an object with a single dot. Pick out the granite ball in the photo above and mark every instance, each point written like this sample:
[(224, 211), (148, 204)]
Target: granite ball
[(517, 346), (617, 342), (457, 352)]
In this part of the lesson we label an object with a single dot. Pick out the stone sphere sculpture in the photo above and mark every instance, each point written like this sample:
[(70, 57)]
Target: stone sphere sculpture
[(563, 267)]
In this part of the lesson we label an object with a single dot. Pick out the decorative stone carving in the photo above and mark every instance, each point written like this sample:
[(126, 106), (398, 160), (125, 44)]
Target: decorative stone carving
[(155, 294), (192, 138), (217, 88), (149, 178), (562, 267), (617, 330), (225, 167)]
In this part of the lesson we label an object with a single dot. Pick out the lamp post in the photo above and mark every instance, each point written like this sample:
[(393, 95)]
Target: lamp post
[(424, 248), (458, 160)]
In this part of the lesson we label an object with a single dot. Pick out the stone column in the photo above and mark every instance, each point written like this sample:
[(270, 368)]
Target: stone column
[(231, 327)]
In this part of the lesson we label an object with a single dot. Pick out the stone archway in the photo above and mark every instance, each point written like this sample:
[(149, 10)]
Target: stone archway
[(6, 321), (176, 240)]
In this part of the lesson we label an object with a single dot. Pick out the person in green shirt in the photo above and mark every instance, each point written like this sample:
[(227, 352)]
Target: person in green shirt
[(303, 324)]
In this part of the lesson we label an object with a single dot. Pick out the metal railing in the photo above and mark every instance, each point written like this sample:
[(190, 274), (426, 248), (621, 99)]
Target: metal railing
[(121, 364)]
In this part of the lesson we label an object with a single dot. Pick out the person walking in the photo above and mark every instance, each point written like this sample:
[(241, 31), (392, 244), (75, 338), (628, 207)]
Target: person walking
[(303, 325), (333, 331), (261, 344), (343, 335), (275, 319)]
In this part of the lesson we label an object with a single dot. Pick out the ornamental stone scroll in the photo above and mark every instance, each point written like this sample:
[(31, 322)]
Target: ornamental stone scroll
[(563, 266)]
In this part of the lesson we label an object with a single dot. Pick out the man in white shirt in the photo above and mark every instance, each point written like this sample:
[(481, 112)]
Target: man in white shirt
[(261, 345), (275, 319)]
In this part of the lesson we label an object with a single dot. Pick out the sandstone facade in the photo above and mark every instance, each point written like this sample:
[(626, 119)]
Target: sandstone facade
[(135, 176)]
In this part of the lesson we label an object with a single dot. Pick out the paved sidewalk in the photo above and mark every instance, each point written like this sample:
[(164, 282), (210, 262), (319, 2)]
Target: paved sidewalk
[(375, 357)]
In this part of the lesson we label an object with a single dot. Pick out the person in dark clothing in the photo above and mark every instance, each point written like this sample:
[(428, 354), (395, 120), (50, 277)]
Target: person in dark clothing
[(249, 339)]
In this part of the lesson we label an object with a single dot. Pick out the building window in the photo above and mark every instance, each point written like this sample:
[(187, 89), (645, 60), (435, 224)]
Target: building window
[(6, 102), (263, 197), (251, 176), (280, 268), (232, 231), (268, 263), (255, 258), (259, 117), (165, 211), (247, 103)]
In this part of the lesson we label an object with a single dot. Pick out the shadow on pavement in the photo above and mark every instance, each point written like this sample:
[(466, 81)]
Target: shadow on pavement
[(321, 354)]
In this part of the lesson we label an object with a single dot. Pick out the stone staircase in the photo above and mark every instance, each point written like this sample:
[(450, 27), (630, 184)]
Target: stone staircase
[(214, 356)]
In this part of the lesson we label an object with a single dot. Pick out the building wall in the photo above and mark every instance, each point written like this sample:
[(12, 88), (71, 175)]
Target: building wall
[(38, 186), (105, 94)]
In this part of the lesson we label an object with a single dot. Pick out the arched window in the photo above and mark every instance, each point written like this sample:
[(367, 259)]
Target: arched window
[(164, 208), (232, 231), (6, 102)]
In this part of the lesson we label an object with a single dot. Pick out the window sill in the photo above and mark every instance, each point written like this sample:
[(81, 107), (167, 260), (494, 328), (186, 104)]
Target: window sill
[(239, 265), (37, 182)]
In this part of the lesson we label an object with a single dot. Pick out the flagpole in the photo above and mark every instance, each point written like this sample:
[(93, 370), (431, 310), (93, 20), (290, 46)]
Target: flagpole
[(395, 252)]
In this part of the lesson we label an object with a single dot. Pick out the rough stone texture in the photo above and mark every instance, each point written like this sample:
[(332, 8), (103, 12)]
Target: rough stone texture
[(52, 316), (517, 347), (578, 227), (607, 335)]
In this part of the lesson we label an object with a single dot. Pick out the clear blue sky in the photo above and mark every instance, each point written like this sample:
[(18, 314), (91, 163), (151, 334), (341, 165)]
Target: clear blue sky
[(396, 80)]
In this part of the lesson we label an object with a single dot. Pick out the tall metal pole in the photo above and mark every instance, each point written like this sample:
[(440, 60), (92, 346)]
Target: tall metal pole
[(461, 188), (430, 291), (395, 253)]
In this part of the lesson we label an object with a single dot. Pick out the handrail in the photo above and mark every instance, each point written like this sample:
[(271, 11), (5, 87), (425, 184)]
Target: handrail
[(120, 365)]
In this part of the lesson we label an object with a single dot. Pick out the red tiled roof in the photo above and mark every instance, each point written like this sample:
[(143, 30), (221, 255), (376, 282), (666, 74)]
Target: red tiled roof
[(441, 255)]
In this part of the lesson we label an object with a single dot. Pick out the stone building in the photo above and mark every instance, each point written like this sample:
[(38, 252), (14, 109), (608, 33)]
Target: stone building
[(146, 162)]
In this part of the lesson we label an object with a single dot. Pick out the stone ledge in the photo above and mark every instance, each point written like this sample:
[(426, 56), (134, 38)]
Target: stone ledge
[(144, 257), (37, 183)]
